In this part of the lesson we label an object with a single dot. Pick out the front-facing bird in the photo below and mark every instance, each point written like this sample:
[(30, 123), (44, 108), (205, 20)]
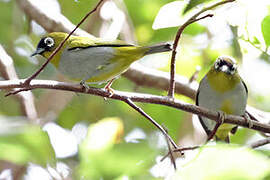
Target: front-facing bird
[(93, 60), (223, 90)]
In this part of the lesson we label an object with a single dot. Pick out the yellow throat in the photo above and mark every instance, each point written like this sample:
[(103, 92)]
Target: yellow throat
[(222, 82)]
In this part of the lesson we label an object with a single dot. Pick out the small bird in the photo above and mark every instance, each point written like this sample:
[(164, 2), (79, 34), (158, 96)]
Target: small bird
[(222, 90), (93, 60)]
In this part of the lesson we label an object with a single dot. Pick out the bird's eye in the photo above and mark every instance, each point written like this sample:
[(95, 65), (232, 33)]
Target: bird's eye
[(49, 42), (217, 64), (233, 69)]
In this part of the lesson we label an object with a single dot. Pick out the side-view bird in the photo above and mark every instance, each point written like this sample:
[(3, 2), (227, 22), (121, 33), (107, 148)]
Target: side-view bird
[(222, 90), (93, 60)]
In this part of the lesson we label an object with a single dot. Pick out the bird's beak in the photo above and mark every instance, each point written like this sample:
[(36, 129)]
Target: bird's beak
[(38, 51)]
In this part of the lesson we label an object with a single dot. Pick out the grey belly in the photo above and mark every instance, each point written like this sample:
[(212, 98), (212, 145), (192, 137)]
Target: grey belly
[(213, 100)]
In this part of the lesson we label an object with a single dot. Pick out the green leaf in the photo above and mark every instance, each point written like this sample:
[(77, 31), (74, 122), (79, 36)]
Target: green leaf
[(25, 144), (226, 162), (266, 30), (192, 4)]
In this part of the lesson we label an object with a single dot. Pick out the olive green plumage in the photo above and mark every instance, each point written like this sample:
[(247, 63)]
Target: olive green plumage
[(93, 60), (222, 89)]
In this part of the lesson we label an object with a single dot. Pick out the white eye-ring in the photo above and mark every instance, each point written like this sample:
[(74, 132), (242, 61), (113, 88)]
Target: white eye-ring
[(49, 42), (217, 64), (233, 69)]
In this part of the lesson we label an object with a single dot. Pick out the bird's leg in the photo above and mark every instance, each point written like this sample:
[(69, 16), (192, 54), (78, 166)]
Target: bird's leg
[(108, 87), (221, 118), (248, 120), (84, 85)]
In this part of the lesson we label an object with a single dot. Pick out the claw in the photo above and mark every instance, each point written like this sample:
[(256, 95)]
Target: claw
[(248, 120), (222, 116), (84, 86), (109, 89)]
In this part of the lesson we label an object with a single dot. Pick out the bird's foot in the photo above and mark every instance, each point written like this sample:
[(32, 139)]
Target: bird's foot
[(222, 117), (84, 86), (248, 120), (220, 121), (109, 89)]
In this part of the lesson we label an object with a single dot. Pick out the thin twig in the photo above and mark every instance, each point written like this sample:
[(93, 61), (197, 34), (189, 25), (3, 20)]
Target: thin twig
[(170, 150), (178, 35), (260, 143), (181, 150), (255, 46), (187, 148), (175, 44), (134, 106), (194, 75), (29, 79), (16, 91), (221, 117)]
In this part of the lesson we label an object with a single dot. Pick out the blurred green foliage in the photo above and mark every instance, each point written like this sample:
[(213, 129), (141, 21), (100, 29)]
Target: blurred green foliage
[(233, 163), (25, 144), (110, 160), (143, 14)]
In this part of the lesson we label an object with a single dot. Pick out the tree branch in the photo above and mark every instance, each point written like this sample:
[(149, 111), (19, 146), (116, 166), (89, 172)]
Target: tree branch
[(260, 143), (137, 97)]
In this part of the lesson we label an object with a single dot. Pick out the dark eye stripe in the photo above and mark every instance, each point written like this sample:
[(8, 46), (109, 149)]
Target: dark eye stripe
[(43, 45)]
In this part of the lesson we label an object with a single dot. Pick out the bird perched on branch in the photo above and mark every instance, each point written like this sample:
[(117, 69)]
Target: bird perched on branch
[(222, 90), (93, 60)]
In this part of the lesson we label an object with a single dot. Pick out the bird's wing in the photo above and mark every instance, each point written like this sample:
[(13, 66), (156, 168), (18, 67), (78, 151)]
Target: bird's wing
[(234, 129), (244, 85), (84, 63), (208, 132), (85, 42)]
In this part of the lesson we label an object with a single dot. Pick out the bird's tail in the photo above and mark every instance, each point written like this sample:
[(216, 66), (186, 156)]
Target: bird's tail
[(158, 48), (226, 139)]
